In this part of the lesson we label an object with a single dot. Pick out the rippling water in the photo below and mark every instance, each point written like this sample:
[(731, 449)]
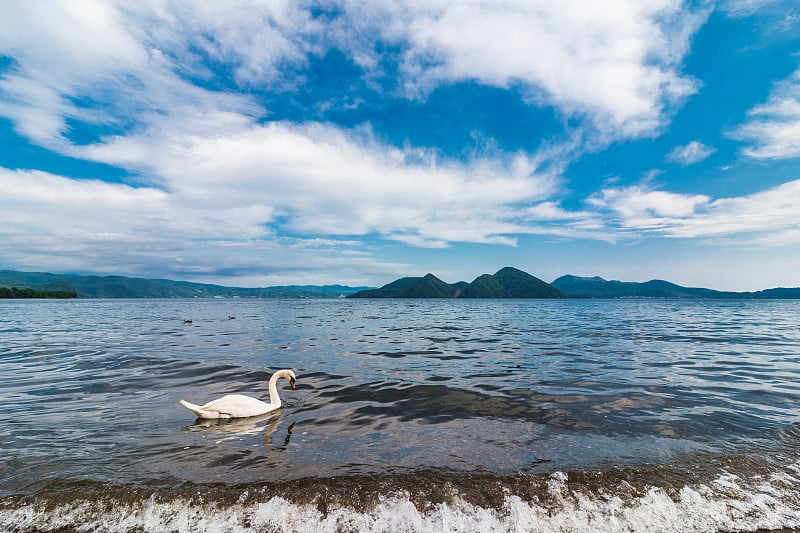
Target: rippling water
[(409, 415)]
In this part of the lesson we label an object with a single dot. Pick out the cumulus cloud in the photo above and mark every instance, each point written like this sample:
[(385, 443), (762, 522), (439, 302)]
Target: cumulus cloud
[(323, 180), (691, 153), (615, 63), (218, 181), (766, 215), (228, 195), (33, 200), (50, 222), (640, 210), (773, 129), (128, 67)]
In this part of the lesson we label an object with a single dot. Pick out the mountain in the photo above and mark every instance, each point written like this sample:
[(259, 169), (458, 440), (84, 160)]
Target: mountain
[(507, 282), (778, 293), (124, 287), (597, 287)]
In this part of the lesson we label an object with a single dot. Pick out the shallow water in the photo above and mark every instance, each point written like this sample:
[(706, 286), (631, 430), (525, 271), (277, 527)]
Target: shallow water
[(409, 415)]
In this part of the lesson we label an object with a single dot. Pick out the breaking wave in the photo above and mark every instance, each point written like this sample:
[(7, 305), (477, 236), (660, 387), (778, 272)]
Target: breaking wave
[(553, 504)]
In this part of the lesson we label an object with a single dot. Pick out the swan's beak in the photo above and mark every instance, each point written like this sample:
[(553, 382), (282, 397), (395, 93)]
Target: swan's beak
[(291, 383)]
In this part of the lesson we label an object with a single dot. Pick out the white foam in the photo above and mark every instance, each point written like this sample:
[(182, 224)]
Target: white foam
[(725, 504)]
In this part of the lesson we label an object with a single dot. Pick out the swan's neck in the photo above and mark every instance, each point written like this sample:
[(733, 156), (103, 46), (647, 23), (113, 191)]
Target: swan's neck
[(274, 399)]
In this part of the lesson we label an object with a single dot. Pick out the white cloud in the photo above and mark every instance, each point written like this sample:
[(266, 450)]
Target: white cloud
[(691, 153), (261, 42), (767, 217), (616, 63), (774, 127), (552, 211), (60, 52), (325, 181), (59, 224), (746, 8), (231, 192), (641, 210), (122, 64), (218, 176), (34, 201)]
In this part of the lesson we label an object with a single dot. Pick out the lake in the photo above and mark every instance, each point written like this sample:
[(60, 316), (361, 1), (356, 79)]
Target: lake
[(409, 415)]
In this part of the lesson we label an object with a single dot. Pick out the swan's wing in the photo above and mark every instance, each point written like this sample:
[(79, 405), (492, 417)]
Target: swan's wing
[(237, 406), (199, 411)]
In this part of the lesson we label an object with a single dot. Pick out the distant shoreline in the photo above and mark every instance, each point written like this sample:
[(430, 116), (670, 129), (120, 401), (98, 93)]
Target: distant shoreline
[(15, 293), (506, 283)]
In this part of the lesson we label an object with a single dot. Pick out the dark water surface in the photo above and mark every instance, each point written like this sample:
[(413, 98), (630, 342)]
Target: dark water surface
[(409, 415)]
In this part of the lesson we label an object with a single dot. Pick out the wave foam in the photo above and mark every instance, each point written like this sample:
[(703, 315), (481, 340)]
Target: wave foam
[(726, 504)]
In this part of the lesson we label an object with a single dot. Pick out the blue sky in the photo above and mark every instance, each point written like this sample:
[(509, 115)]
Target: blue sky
[(268, 143)]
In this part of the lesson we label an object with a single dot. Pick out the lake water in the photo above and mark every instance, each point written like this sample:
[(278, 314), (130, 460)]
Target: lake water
[(409, 415)]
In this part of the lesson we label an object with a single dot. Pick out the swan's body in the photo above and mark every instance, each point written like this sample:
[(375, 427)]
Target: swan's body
[(240, 406)]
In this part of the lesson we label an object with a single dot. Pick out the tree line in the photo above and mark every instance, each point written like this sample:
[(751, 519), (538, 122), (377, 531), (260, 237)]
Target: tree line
[(14, 292)]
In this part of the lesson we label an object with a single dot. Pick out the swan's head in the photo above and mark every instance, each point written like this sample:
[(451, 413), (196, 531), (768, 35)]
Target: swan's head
[(291, 377)]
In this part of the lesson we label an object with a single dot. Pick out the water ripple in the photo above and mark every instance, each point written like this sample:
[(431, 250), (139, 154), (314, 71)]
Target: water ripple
[(392, 384)]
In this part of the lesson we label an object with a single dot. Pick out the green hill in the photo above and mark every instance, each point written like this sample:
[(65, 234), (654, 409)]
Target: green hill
[(484, 286), (428, 286), (519, 284)]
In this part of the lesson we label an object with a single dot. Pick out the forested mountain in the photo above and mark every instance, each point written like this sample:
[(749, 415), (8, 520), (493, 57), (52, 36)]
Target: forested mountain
[(124, 287), (507, 282), (597, 287)]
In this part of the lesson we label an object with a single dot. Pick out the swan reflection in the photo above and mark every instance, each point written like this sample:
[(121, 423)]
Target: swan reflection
[(233, 428)]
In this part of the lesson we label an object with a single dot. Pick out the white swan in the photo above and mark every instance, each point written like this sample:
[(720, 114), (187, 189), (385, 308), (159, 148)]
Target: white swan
[(240, 406)]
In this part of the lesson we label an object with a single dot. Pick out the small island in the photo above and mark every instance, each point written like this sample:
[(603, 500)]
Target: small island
[(507, 282)]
